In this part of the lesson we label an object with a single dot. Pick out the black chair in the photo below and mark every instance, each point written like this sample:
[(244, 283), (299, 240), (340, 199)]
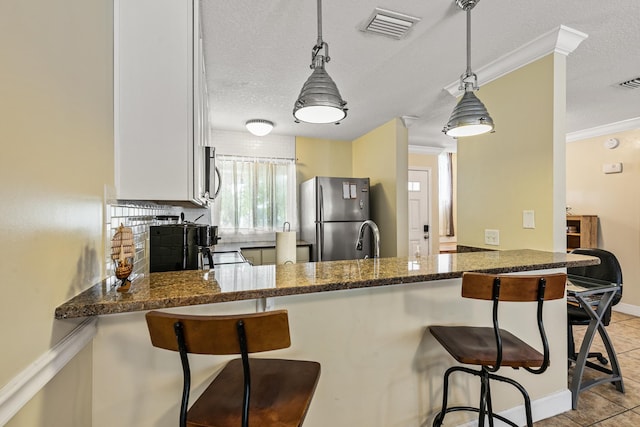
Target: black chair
[(608, 270), (491, 347)]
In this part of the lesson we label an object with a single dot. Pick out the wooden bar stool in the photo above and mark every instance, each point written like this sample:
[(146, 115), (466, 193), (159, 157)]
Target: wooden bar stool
[(492, 347), (248, 391)]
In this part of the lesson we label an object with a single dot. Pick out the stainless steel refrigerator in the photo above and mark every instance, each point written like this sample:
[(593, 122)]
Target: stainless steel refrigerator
[(331, 212)]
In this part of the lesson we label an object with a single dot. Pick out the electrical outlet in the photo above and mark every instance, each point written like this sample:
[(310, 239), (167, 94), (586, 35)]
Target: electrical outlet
[(492, 237)]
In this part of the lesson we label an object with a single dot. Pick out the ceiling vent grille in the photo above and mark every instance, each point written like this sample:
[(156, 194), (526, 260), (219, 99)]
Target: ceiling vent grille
[(631, 84), (388, 23)]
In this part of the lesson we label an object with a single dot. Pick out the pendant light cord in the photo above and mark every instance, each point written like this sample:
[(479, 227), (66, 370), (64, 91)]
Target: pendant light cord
[(469, 72), (320, 44), (469, 81)]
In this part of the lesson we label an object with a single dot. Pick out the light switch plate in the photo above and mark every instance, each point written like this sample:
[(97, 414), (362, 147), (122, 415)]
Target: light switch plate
[(528, 219), (492, 237)]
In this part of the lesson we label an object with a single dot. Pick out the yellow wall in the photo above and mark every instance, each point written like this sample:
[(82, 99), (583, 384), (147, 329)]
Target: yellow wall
[(521, 165), (382, 155), (322, 157), (615, 198), (57, 136)]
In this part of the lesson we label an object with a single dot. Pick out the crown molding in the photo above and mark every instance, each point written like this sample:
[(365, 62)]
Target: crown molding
[(608, 129), (407, 121), (422, 149), (562, 40)]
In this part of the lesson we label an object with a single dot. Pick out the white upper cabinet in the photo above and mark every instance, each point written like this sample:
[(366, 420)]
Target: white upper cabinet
[(161, 110)]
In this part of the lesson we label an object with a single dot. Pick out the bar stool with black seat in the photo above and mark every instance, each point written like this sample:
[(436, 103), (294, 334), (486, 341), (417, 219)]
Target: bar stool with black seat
[(491, 347), (248, 391)]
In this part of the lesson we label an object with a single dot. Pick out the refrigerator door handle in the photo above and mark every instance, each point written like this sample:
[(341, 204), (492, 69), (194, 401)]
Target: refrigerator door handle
[(320, 240), (320, 204), (321, 222)]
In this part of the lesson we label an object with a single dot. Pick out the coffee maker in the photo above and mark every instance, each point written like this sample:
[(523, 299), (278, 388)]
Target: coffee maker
[(186, 246)]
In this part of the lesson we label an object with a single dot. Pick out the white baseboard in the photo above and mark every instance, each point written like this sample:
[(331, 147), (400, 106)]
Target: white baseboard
[(632, 310), (21, 389), (543, 408)]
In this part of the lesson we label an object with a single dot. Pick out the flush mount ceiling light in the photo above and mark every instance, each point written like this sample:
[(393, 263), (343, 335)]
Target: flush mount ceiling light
[(469, 117), (259, 127), (319, 100)]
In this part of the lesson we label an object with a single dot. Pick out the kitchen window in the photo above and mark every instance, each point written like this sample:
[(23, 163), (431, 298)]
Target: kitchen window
[(258, 195)]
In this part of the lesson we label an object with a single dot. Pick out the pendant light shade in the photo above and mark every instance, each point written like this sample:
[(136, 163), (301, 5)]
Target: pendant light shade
[(470, 117), (320, 100)]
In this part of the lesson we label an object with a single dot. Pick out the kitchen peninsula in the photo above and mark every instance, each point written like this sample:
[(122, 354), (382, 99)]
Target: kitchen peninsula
[(364, 320), (242, 282)]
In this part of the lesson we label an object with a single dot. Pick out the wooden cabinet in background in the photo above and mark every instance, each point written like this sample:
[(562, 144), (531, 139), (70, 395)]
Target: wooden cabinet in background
[(582, 231)]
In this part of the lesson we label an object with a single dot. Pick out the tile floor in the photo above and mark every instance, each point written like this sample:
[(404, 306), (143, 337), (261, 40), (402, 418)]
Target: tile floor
[(603, 405)]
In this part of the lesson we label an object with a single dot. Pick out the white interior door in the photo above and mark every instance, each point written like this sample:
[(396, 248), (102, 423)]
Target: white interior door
[(419, 212)]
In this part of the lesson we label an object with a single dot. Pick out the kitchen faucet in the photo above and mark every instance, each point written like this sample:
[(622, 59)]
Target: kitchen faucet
[(376, 237)]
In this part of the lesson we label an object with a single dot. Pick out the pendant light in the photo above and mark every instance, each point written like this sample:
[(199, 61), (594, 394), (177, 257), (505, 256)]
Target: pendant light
[(470, 117), (319, 100)]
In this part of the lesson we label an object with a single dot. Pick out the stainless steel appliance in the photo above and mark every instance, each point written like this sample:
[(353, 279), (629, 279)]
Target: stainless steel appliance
[(175, 247), (331, 212)]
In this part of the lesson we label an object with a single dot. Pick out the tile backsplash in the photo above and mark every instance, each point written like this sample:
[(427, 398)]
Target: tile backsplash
[(138, 215)]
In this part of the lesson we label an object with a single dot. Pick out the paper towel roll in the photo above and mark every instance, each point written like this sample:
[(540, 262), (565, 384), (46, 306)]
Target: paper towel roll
[(285, 247)]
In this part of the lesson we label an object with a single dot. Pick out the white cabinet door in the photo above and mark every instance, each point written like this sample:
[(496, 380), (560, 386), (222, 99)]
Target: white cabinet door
[(157, 154)]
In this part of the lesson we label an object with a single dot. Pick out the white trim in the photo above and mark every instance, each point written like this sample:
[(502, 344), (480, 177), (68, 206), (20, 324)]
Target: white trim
[(562, 39), (621, 126), (543, 408), (17, 392), (622, 307), (422, 149), (407, 121)]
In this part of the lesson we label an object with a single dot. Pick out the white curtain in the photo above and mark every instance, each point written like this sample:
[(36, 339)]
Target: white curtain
[(445, 178), (258, 196)]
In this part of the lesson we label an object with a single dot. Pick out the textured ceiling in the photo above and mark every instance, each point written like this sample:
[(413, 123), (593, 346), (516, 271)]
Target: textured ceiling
[(258, 54)]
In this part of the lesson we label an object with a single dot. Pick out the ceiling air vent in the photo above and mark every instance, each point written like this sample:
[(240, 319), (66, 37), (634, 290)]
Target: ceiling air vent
[(388, 23), (631, 84)]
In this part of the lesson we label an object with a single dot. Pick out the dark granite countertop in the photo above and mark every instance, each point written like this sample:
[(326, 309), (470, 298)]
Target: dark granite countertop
[(242, 281)]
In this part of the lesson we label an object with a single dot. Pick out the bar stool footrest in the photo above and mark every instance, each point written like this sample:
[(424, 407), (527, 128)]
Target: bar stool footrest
[(438, 423)]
